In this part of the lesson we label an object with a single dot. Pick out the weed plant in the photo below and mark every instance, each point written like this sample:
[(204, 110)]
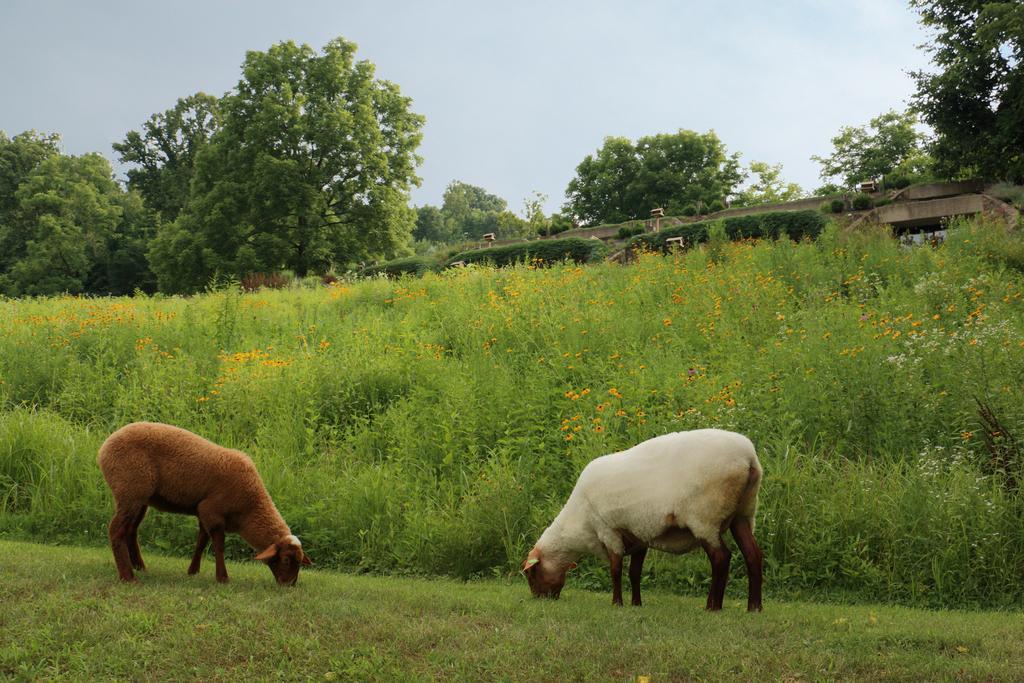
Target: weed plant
[(436, 425)]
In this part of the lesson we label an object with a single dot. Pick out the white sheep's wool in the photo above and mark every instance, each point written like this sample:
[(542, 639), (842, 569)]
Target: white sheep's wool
[(685, 480), (293, 540)]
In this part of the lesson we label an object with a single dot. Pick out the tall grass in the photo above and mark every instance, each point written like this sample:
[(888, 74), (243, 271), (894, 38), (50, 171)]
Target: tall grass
[(436, 425)]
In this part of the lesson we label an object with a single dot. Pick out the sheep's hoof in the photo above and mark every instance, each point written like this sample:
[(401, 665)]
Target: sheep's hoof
[(222, 579), (753, 608)]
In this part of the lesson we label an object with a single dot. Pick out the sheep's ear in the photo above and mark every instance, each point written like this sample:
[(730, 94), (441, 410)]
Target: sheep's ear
[(305, 560), (530, 563), (268, 554)]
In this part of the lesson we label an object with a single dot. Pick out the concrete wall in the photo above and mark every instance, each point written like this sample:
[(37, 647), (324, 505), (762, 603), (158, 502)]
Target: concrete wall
[(937, 190), (928, 211)]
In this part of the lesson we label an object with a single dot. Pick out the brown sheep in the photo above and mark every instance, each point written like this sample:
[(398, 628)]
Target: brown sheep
[(152, 464)]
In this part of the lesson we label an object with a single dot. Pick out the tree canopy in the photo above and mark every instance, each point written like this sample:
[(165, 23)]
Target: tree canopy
[(165, 152), (624, 181), (311, 167), (468, 212), (974, 100), (889, 143), (768, 188), (73, 229)]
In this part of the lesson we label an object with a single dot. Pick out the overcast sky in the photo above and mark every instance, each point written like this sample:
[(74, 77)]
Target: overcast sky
[(515, 94)]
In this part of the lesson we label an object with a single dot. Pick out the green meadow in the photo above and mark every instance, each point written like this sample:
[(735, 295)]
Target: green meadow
[(433, 426), (73, 621)]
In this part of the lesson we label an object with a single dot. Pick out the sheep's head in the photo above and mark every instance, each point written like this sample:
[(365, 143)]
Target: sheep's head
[(285, 558), (546, 578)]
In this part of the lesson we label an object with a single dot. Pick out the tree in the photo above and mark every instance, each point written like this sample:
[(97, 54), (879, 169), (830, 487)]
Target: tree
[(430, 225), (74, 230), (769, 187), (165, 152), (889, 142), (625, 181), (533, 209), (975, 100), (311, 168), (470, 212), (19, 157)]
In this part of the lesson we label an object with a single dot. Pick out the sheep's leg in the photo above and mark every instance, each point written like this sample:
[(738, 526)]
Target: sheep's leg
[(201, 540), (118, 530), (718, 555), (213, 522), (636, 567), (134, 552), (743, 532), (615, 559), (217, 536)]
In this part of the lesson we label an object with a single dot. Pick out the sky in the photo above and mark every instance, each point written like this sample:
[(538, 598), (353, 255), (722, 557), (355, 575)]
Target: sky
[(515, 94)]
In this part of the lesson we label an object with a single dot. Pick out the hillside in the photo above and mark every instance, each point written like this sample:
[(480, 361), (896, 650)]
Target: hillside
[(435, 425)]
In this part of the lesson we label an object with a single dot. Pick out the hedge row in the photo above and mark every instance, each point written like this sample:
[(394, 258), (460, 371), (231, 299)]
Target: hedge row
[(412, 265), (795, 224), (549, 251)]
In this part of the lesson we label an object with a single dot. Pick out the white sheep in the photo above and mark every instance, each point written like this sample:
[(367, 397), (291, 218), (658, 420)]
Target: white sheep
[(148, 464), (673, 493)]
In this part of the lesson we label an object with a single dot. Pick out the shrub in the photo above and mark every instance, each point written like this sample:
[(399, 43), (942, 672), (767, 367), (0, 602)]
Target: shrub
[(716, 206), (838, 206), (547, 251), (896, 181), (690, 210), (627, 231), (794, 224), (862, 201), (883, 201), (1008, 193), (256, 281), (412, 265)]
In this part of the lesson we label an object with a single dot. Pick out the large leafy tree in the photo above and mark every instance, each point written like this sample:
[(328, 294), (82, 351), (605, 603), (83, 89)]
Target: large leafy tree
[(164, 152), (768, 187), (671, 170), (975, 99), (74, 230), (19, 157), (467, 212), (889, 143), (311, 167)]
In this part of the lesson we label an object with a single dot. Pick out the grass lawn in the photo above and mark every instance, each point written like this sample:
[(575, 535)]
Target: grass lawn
[(66, 616)]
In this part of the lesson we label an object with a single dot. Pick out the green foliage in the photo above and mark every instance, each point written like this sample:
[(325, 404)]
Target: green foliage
[(974, 100), (574, 249), (896, 181), (311, 167), (74, 230), (769, 188), (838, 205), (716, 206), (437, 426), (624, 181), (689, 210), (164, 153), (19, 157), (627, 231), (862, 201), (430, 225), (861, 154), (882, 201), (794, 224), (1008, 193), (412, 265), (559, 223)]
